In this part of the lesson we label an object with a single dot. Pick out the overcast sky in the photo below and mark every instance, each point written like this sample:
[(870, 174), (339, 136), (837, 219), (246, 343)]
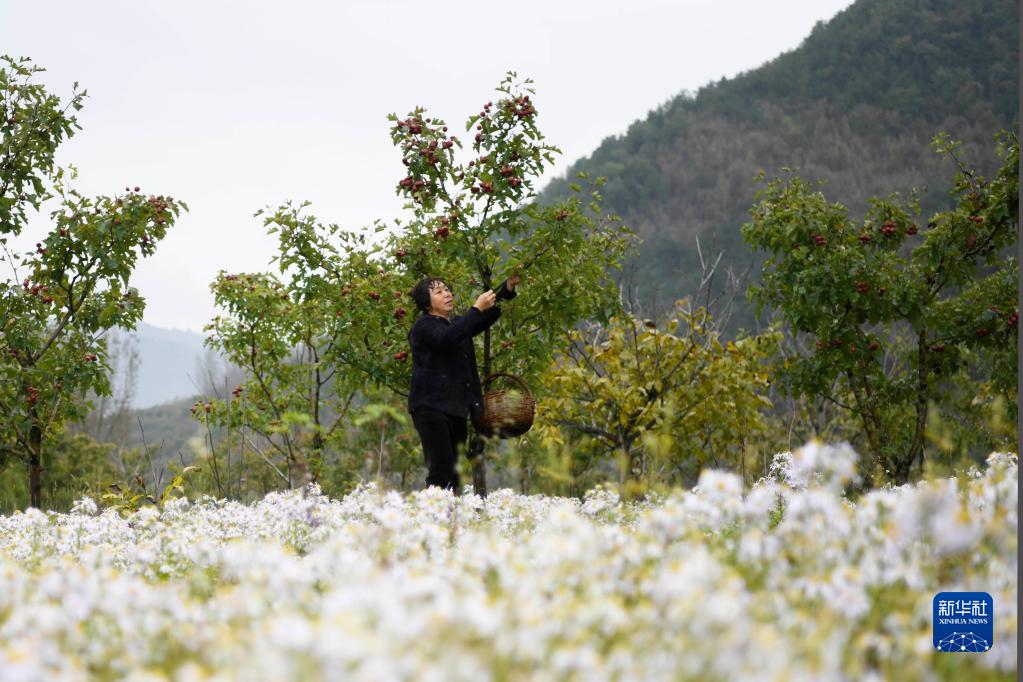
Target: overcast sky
[(231, 106)]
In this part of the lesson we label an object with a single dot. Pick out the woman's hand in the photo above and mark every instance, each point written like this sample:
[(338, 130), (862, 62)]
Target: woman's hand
[(485, 300), (513, 281)]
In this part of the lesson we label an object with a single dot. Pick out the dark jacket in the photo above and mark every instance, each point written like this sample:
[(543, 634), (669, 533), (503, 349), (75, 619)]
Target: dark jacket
[(444, 372)]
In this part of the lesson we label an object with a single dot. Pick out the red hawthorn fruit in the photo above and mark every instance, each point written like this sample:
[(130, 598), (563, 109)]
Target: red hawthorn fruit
[(977, 219), (970, 241), (515, 182), (479, 136), (374, 295), (881, 291), (400, 313), (487, 187), (506, 344), (400, 356), (862, 287), (865, 238), (874, 346), (983, 331), (1013, 319), (820, 345), (442, 232), (911, 230)]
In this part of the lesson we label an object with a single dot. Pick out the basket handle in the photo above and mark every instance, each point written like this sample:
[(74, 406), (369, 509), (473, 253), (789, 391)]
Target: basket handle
[(514, 378)]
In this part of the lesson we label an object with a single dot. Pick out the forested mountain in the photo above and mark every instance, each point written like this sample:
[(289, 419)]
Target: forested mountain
[(856, 105)]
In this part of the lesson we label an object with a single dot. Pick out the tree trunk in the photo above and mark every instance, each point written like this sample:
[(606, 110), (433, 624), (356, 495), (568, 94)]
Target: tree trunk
[(916, 450), (878, 462), (477, 450), (35, 463), (479, 466)]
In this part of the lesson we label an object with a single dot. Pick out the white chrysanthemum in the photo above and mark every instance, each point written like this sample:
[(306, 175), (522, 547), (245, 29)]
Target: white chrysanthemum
[(704, 584)]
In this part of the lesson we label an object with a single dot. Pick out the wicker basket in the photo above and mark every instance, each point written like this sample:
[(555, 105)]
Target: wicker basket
[(506, 413)]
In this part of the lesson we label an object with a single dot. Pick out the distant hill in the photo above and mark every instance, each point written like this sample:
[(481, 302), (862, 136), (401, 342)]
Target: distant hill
[(855, 105), (167, 380), (168, 364)]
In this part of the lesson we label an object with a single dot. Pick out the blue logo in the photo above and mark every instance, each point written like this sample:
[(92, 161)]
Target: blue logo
[(964, 621)]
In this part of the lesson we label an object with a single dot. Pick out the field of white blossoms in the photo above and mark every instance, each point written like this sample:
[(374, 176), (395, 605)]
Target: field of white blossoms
[(790, 581)]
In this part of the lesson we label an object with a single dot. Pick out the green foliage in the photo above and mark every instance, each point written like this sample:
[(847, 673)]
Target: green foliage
[(662, 402), (896, 309), (74, 287), (33, 123), (76, 466), (128, 497)]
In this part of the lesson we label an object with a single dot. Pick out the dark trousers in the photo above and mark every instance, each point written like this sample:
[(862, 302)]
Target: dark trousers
[(443, 438)]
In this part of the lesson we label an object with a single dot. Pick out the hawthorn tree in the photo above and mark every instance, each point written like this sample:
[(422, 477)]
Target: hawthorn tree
[(298, 336), (895, 307), (473, 224), (56, 303), (469, 221)]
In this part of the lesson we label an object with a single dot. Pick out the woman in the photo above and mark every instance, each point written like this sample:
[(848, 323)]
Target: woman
[(446, 387)]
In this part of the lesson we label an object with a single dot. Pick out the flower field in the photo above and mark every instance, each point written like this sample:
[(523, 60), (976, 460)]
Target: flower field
[(788, 582)]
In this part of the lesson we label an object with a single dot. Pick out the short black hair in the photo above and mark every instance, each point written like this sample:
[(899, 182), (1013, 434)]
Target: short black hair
[(421, 292)]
